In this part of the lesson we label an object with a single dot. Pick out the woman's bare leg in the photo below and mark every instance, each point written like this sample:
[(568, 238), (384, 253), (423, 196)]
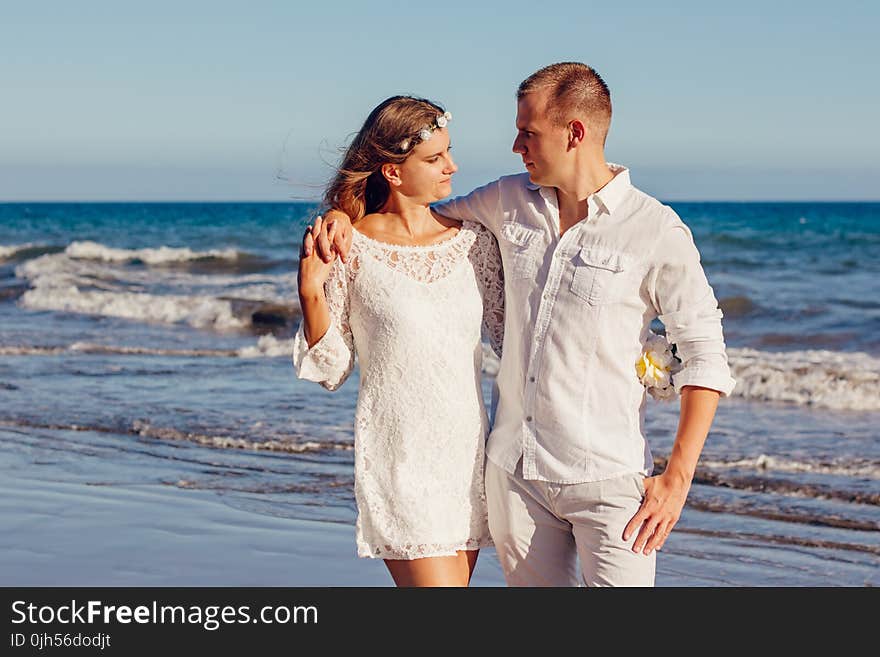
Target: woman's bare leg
[(434, 571), (471, 558)]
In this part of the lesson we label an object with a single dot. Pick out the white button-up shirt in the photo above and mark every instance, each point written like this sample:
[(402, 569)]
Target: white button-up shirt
[(578, 311)]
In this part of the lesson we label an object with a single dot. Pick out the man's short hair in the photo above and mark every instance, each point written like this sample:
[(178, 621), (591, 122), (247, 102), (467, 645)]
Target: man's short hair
[(574, 88)]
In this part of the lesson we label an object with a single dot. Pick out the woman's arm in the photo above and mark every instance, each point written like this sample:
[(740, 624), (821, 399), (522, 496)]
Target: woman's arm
[(486, 260), (311, 276), (316, 315), (324, 345), (335, 238)]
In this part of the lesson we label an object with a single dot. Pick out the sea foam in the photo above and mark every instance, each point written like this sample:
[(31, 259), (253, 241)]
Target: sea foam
[(197, 311), (764, 462), (88, 250), (825, 379), (104, 287), (9, 250)]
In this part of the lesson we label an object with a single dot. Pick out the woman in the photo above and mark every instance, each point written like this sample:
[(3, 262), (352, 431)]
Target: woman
[(409, 302)]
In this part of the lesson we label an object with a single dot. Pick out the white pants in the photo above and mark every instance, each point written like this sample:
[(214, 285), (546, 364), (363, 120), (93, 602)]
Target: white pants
[(540, 529)]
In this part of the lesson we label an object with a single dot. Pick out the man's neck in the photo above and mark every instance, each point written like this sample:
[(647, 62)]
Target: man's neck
[(572, 198)]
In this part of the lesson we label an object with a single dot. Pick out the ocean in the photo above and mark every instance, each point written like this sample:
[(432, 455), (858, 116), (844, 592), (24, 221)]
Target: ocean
[(150, 343)]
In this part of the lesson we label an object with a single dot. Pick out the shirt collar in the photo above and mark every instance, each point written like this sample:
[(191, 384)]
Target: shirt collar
[(611, 195)]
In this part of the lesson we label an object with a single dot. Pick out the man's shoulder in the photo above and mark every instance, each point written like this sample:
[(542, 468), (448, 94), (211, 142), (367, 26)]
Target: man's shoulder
[(493, 192), (516, 180), (648, 209), (508, 183)]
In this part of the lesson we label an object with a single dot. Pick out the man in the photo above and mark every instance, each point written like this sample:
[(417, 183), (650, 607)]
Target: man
[(589, 262)]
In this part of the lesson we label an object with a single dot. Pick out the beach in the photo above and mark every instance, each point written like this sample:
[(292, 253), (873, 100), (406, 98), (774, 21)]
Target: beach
[(153, 433), (92, 533)]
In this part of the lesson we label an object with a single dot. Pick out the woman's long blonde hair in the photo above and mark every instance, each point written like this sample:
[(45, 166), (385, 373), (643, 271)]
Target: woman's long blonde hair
[(359, 188)]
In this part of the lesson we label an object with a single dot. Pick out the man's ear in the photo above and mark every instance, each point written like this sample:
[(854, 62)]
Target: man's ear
[(391, 173), (577, 132)]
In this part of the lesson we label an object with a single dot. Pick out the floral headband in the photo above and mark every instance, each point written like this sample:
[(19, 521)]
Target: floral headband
[(425, 133)]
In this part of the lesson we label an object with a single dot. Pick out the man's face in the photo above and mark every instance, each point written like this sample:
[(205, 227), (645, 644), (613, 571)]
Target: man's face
[(542, 145)]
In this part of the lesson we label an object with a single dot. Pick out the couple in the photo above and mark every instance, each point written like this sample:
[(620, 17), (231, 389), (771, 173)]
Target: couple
[(588, 262)]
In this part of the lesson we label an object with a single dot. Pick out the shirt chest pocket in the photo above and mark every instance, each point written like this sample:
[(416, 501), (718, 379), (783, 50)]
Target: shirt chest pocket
[(598, 274), (521, 245)]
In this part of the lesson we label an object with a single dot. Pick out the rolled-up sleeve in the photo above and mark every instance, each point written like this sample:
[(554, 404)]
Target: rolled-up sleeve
[(331, 359), (686, 304)]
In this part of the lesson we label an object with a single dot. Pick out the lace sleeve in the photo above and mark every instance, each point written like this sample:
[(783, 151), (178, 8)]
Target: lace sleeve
[(486, 260), (331, 359)]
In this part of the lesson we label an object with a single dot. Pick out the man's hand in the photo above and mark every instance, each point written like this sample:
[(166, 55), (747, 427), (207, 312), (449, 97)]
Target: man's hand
[(330, 237), (665, 496)]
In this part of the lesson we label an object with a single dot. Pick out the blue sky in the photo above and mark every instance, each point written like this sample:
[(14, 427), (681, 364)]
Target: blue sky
[(251, 100)]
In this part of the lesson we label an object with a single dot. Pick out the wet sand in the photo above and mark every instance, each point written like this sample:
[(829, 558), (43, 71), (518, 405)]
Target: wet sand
[(79, 534), (74, 534)]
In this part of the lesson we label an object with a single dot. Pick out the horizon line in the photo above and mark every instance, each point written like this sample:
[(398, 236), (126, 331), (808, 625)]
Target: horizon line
[(312, 202)]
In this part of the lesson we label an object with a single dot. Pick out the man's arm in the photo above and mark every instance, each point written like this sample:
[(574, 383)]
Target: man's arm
[(686, 304), (666, 494), (482, 206)]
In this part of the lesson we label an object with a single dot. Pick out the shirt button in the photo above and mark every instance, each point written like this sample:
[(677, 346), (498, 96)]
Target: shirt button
[(532, 379), (528, 418)]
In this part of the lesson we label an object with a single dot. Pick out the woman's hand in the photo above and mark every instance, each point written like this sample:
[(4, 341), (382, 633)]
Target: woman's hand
[(313, 270), (331, 238)]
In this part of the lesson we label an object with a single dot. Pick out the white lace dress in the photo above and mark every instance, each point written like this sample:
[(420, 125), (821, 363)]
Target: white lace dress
[(413, 316)]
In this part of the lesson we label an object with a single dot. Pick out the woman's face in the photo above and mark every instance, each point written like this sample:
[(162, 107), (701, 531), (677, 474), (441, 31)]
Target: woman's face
[(426, 175)]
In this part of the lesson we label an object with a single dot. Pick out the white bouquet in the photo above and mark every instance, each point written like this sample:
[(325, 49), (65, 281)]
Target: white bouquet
[(656, 367)]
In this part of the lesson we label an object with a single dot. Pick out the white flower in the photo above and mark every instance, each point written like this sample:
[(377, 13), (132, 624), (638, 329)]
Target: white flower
[(404, 145), (424, 134), (656, 367), (443, 119)]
